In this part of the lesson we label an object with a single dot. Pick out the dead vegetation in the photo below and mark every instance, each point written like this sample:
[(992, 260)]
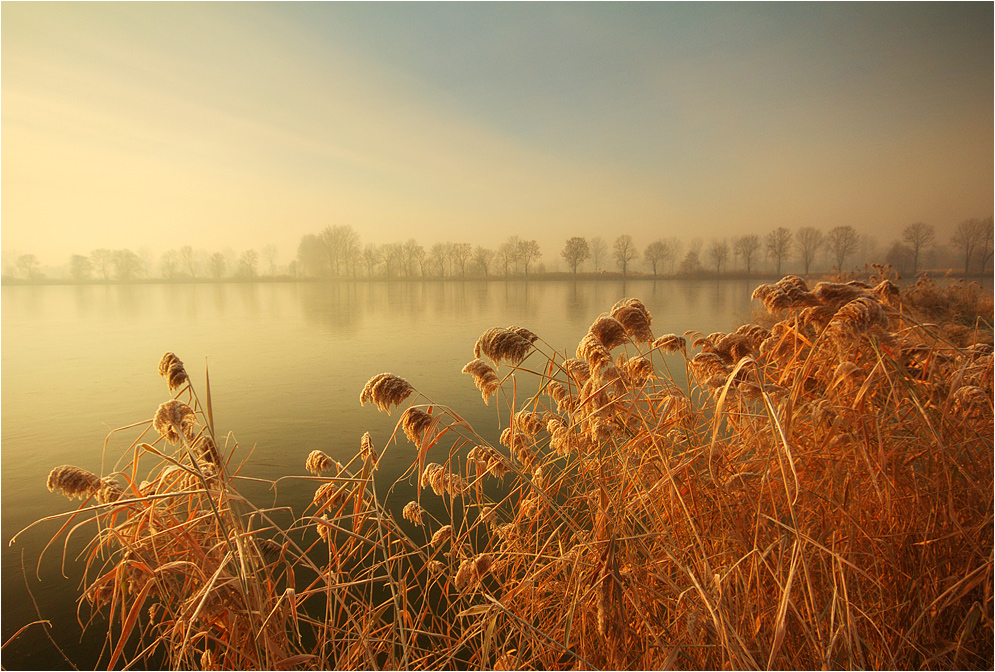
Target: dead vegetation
[(816, 493)]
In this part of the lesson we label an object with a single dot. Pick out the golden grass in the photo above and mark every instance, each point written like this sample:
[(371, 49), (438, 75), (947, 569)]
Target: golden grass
[(816, 493)]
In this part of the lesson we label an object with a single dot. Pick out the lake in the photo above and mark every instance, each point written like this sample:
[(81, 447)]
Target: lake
[(287, 362)]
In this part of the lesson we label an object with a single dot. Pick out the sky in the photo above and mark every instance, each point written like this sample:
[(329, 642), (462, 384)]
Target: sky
[(148, 125)]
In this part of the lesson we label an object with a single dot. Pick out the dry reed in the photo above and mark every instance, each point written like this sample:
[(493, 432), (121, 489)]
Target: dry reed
[(813, 495)]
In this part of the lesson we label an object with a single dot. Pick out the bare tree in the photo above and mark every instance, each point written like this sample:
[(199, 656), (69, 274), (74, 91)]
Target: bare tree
[(675, 247), (575, 252), (599, 252), (461, 253), (127, 265), (170, 264), (528, 251), (188, 260), (691, 262), (655, 254), (28, 264), (919, 236), (413, 256), (371, 258), (899, 257), (103, 260), (719, 253), (779, 246), (436, 259), (392, 255), (80, 267), (809, 241), (269, 255), (986, 242), (843, 241), (508, 254), (483, 257), (625, 252), (968, 237), (218, 265), (247, 263), (747, 247)]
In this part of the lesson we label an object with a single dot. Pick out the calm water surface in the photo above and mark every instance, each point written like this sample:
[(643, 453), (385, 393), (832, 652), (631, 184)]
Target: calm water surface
[(287, 363)]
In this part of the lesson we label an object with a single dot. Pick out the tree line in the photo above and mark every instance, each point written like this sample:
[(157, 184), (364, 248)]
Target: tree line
[(338, 251)]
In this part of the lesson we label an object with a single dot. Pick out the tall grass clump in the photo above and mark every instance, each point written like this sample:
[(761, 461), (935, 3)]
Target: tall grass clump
[(816, 493)]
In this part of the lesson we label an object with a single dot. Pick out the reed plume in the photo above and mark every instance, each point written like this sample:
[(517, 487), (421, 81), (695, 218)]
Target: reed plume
[(385, 390), (670, 343), (594, 352), (208, 449), (578, 369), (608, 331), (414, 512), (510, 344), (329, 495), (318, 463), (528, 423), (175, 419), (74, 482), (484, 377), (442, 535), (859, 316), (171, 368), (366, 450), (634, 318), (415, 422), (837, 294)]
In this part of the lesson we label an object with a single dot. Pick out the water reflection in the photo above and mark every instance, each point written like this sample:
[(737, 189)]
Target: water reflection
[(691, 289), (577, 305)]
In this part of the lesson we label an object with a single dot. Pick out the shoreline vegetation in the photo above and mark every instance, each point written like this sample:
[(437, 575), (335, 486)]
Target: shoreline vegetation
[(814, 490), (755, 276)]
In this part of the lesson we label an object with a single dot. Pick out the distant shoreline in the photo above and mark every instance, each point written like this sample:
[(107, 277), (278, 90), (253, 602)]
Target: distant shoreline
[(539, 277)]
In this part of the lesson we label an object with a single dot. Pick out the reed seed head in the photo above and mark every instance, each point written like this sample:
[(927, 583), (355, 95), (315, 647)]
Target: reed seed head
[(415, 422), (109, 491), (74, 482), (639, 369), (484, 377), (413, 512), (609, 331), (385, 390), (173, 419), (366, 449), (500, 344), (837, 293), (707, 365), (465, 575), (635, 319), (670, 343), (318, 463), (859, 316), (329, 495), (578, 369), (528, 423), (593, 351), (442, 535), (207, 449), (171, 368)]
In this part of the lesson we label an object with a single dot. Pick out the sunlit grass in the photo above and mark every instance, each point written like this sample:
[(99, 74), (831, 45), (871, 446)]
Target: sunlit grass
[(812, 494)]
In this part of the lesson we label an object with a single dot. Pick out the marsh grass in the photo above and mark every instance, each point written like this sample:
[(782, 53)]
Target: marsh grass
[(815, 492)]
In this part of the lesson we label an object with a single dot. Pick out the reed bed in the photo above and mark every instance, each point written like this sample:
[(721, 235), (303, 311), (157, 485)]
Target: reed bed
[(816, 493)]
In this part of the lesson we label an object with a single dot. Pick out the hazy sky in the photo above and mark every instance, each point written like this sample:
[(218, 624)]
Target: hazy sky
[(160, 125)]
